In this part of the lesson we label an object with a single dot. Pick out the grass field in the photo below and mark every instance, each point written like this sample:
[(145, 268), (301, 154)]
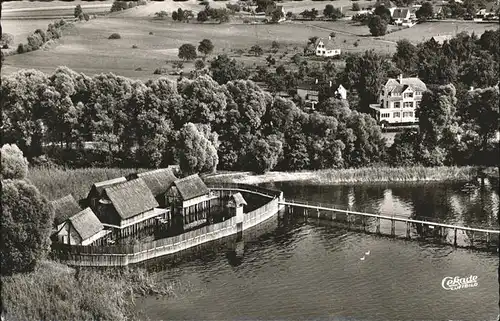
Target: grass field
[(86, 48)]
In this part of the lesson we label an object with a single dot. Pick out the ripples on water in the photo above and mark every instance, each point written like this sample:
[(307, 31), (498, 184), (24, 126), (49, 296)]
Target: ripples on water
[(290, 269)]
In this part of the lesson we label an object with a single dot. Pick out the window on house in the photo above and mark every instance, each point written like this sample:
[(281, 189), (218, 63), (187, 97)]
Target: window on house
[(409, 95), (397, 104), (418, 93), (386, 104), (396, 114), (408, 104), (417, 103), (385, 115)]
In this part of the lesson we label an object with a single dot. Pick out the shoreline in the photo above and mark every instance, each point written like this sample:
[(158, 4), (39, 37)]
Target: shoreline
[(353, 176)]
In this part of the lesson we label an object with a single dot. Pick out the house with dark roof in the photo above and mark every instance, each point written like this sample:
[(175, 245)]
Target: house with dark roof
[(83, 228), (398, 100), (402, 17), (326, 48), (440, 39), (64, 208), (309, 91), (190, 199), (129, 207), (158, 182), (96, 190)]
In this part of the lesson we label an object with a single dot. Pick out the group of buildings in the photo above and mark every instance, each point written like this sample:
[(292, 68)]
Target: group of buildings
[(122, 207)]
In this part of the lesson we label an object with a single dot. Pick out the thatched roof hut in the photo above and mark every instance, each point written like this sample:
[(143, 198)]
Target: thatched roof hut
[(130, 198), (190, 187), (86, 223), (64, 208), (158, 181), (97, 189)]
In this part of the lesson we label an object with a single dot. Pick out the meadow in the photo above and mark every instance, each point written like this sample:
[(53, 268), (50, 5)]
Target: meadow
[(86, 47)]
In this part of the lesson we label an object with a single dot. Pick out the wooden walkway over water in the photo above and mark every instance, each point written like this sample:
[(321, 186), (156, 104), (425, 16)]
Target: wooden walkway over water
[(331, 214)]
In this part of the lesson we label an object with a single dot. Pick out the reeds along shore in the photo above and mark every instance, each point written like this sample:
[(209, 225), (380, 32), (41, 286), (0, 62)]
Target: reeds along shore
[(357, 175), (55, 183), (56, 292)]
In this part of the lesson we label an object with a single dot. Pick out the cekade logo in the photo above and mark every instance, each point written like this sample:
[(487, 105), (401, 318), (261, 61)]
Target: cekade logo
[(457, 283)]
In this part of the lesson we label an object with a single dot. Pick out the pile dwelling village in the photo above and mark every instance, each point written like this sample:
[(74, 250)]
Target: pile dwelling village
[(141, 204)]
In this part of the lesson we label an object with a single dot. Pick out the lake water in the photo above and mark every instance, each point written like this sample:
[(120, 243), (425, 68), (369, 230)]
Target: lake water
[(291, 269)]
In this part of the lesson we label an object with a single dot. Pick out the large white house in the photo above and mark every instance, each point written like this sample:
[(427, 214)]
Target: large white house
[(398, 100), (326, 48), (402, 17)]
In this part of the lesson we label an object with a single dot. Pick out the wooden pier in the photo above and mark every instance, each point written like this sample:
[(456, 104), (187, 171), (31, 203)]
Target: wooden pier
[(349, 217)]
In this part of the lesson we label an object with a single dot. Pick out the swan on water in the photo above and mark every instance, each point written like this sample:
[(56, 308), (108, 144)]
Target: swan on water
[(362, 259), (367, 253)]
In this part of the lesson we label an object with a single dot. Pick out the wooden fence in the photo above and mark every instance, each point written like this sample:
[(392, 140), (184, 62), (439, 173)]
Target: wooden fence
[(121, 255)]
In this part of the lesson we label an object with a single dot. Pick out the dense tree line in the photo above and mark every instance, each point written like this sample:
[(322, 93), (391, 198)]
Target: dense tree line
[(147, 124)]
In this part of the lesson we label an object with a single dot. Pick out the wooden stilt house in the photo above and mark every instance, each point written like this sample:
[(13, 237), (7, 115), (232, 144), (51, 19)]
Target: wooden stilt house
[(190, 199), (96, 190), (129, 207), (83, 228), (158, 181), (64, 208)]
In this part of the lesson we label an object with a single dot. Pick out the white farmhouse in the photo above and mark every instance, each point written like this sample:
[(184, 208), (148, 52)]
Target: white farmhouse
[(402, 17), (398, 100), (326, 48)]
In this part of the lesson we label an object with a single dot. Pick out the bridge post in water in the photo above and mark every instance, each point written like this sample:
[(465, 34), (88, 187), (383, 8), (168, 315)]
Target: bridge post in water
[(488, 238), (378, 225), (455, 237), (364, 223), (317, 212), (348, 221), (393, 228), (407, 230), (471, 238)]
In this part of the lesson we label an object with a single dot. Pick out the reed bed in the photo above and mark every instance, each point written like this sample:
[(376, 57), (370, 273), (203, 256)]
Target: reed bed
[(56, 292), (355, 175), (56, 183)]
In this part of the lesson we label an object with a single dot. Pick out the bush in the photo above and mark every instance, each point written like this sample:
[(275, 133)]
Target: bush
[(6, 46), (21, 48), (114, 36), (7, 39), (138, 69), (160, 71), (134, 47), (151, 33)]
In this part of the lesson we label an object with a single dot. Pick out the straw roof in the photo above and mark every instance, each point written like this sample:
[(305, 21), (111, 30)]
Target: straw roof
[(158, 181), (131, 198), (100, 186), (86, 223), (64, 208), (191, 186)]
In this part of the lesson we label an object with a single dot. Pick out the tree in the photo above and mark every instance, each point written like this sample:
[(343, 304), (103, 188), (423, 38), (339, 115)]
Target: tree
[(481, 71), (383, 13), (119, 5), (275, 45), (406, 57), (14, 164), (202, 16), (328, 11), (402, 151), (78, 11), (221, 15), (27, 219), (256, 50), (480, 115), (265, 154), (426, 11), (196, 153), (175, 16), (355, 7), (199, 64), (206, 47), (263, 4), (277, 15), (437, 123), (225, 69), (377, 25), (187, 52)]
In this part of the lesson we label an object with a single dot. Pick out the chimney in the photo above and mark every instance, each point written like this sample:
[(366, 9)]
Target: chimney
[(330, 83), (400, 78)]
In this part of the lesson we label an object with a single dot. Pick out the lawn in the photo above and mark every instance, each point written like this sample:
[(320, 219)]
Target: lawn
[(52, 9), (86, 47)]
